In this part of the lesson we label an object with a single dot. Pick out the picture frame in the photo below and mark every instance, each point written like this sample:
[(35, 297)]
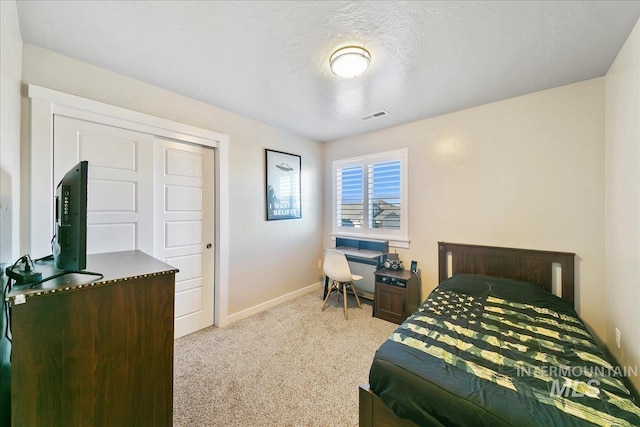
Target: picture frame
[(282, 185)]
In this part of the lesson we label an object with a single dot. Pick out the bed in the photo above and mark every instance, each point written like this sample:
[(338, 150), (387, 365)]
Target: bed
[(492, 346)]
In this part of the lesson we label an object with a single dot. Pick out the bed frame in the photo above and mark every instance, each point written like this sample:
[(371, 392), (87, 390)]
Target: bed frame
[(527, 265)]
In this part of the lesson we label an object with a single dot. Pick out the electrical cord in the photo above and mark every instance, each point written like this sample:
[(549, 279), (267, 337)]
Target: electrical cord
[(26, 259), (65, 272), (7, 315), (44, 258), (29, 264), (7, 288)]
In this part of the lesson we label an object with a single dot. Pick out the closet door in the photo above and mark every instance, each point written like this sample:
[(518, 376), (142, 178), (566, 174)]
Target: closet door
[(184, 224), (120, 189), (151, 194)]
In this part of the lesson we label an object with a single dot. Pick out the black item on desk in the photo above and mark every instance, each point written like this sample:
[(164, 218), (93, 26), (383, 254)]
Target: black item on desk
[(393, 262)]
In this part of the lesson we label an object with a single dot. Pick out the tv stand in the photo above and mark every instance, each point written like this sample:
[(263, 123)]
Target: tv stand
[(95, 353)]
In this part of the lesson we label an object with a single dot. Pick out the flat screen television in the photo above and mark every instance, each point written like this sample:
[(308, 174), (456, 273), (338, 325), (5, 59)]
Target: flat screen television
[(69, 244)]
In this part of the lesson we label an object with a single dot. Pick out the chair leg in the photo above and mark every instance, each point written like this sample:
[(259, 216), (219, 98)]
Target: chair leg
[(344, 296), (328, 295), (355, 293)]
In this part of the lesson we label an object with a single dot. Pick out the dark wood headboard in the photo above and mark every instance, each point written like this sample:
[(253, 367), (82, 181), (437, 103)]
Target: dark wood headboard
[(528, 265)]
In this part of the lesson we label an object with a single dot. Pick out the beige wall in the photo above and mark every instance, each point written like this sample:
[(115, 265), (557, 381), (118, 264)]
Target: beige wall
[(10, 71), (525, 172), (262, 254), (10, 74), (622, 205)]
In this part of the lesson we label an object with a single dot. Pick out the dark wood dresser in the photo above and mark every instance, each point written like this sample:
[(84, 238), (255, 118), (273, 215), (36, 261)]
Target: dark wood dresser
[(95, 354)]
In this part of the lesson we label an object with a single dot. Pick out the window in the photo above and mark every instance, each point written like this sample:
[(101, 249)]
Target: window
[(369, 196)]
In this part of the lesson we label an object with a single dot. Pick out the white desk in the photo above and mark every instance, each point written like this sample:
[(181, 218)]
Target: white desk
[(365, 257)]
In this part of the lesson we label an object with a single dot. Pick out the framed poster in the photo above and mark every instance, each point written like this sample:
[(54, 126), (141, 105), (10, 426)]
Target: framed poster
[(283, 185)]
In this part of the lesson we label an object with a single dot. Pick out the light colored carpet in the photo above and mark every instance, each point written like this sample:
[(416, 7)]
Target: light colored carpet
[(291, 365)]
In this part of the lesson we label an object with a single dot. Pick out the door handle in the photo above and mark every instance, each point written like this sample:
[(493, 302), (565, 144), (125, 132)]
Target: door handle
[(208, 245)]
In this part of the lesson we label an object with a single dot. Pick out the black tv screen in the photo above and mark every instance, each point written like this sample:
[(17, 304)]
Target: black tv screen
[(69, 245)]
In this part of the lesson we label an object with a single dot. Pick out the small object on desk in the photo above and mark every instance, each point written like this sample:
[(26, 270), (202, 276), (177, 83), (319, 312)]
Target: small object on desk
[(23, 271), (393, 262), (397, 294)]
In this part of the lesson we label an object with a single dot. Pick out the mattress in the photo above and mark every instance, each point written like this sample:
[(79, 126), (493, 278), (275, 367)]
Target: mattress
[(485, 351)]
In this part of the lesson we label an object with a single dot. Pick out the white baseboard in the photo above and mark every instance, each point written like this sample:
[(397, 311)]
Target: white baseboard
[(272, 303)]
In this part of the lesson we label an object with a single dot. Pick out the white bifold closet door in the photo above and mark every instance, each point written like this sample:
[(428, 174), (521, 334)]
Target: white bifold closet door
[(151, 194)]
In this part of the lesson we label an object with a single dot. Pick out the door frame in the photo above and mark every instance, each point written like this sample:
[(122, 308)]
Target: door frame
[(37, 175)]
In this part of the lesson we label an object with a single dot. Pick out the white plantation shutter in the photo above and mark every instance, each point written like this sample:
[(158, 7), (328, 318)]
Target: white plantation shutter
[(370, 196), (350, 197), (385, 201)]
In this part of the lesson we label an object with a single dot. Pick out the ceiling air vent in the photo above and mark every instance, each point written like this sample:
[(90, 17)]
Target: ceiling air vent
[(374, 115)]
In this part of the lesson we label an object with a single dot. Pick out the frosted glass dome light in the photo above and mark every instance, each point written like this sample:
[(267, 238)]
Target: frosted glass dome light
[(350, 61)]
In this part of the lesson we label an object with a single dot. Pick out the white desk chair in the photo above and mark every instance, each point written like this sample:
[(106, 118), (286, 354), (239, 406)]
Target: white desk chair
[(336, 268)]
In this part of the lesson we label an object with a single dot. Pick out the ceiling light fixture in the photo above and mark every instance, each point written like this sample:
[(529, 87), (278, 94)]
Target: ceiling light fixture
[(350, 61)]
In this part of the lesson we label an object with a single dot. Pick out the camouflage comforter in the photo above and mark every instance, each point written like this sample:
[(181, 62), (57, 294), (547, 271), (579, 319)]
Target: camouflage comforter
[(487, 351)]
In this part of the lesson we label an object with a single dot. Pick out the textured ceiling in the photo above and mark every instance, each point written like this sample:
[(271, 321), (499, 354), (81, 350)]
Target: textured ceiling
[(268, 60)]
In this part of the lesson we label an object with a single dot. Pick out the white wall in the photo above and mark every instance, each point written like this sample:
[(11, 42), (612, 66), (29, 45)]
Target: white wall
[(526, 172), (262, 254), (10, 71), (622, 206), (10, 74)]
